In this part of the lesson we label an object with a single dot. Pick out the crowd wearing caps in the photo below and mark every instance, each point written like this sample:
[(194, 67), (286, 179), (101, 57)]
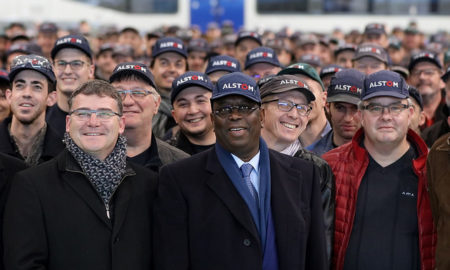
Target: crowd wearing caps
[(169, 44), (385, 83), (284, 83), (188, 79), (72, 41), (136, 68), (237, 83), (32, 62), (223, 63), (346, 86), (261, 55)]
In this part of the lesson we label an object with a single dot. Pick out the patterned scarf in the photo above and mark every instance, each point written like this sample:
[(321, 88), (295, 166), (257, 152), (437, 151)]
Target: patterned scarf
[(104, 175)]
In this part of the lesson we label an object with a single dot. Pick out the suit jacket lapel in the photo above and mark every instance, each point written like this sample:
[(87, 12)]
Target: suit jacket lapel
[(225, 190)]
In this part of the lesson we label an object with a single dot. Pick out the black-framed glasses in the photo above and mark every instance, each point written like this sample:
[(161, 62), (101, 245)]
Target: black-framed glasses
[(378, 109), (226, 111), (286, 106), (134, 93), (74, 65), (85, 114)]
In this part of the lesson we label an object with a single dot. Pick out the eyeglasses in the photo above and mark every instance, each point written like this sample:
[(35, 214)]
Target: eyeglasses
[(228, 110), (427, 72), (286, 106), (85, 114), (135, 93), (74, 65), (378, 109)]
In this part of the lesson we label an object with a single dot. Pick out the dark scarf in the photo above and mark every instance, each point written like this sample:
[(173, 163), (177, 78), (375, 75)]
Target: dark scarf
[(104, 175)]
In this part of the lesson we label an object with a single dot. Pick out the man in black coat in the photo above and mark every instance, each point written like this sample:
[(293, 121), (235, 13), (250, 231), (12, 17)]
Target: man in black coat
[(239, 205), (88, 208)]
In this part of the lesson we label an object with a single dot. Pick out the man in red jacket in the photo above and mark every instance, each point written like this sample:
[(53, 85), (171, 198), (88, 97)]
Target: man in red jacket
[(383, 217)]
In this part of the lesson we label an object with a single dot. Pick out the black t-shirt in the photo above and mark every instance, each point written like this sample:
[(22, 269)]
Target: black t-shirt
[(385, 228), (56, 118), (149, 158)]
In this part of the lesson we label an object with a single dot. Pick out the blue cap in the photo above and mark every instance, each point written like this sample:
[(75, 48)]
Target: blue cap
[(32, 62), (375, 28), (248, 34), (72, 41), (169, 44), (237, 83), (261, 55), (310, 59), (346, 86), (385, 83), (424, 56), (330, 70), (414, 93), (223, 63), (135, 68), (190, 78)]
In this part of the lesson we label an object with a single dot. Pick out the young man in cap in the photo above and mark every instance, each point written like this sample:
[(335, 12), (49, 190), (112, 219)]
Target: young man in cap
[(344, 95), (385, 218), (285, 107), (245, 42), (168, 62), (375, 33), (344, 54), (136, 86), (240, 209), (197, 51), (191, 94), (261, 62), (221, 65), (5, 109), (425, 74), (72, 62), (318, 124), (370, 58), (88, 208), (432, 133), (26, 135)]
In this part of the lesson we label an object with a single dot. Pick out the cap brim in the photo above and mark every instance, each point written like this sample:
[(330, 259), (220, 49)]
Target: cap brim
[(130, 71), (344, 98), (308, 94), (384, 94), (221, 95), (55, 50), (418, 60), (369, 55), (14, 72)]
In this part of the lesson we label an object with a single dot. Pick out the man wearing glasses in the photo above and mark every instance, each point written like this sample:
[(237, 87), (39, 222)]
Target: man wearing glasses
[(344, 95), (26, 135), (136, 86), (384, 219), (239, 205), (72, 62), (88, 208), (425, 70)]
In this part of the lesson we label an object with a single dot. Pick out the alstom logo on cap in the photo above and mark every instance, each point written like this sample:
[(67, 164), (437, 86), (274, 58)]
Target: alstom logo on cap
[(424, 55), (191, 78), (260, 54), (348, 88), (369, 49), (171, 44), (224, 63), (294, 82), (69, 40), (135, 67), (383, 83), (242, 86)]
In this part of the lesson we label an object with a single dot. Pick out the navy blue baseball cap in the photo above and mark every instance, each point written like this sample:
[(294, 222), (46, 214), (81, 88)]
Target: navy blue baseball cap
[(345, 47), (414, 93), (169, 44), (190, 78), (248, 34), (32, 62), (330, 70), (135, 68), (72, 41), (371, 50), (261, 55), (375, 28), (311, 59), (385, 83), (346, 86), (424, 56), (237, 83), (223, 63)]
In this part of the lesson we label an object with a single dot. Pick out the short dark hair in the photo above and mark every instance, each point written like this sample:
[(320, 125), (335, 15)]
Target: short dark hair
[(99, 88)]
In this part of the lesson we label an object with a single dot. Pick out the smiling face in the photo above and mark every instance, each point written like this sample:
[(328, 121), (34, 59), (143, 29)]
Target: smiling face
[(166, 68), (95, 136), (29, 96), (386, 128), (280, 129), (238, 133), (192, 111)]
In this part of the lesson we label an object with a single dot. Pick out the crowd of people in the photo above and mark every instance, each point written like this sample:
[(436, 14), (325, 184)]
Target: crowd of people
[(221, 150)]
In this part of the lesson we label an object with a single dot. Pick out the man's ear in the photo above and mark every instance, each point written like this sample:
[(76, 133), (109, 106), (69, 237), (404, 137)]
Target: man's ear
[(51, 98)]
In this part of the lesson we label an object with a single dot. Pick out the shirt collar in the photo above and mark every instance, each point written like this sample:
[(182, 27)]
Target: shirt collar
[(254, 161)]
